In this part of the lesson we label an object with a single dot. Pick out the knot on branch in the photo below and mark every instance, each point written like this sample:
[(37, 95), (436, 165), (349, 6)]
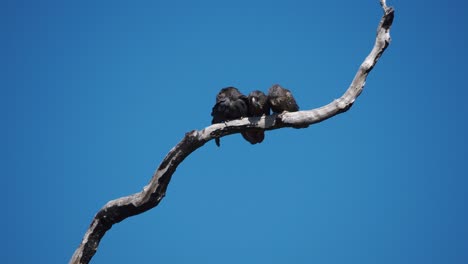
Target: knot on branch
[(343, 105), (191, 137), (388, 18)]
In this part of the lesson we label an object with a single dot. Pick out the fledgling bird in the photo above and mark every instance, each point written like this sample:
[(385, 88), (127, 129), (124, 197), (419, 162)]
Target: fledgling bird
[(258, 106), (281, 99), (230, 104)]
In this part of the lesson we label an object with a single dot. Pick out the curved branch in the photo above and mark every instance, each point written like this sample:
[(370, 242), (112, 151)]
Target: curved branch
[(117, 210)]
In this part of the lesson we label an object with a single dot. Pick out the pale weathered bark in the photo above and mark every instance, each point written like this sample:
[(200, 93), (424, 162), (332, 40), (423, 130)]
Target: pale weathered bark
[(117, 210)]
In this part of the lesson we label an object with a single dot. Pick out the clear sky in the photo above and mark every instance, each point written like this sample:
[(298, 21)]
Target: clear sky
[(95, 93)]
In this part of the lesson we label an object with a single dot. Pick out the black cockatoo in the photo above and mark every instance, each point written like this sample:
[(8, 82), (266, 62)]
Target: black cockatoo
[(281, 99), (258, 106), (230, 105)]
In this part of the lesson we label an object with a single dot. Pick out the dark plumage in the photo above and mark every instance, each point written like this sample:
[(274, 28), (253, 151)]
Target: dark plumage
[(230, 105), (258, 106), (281, 99)]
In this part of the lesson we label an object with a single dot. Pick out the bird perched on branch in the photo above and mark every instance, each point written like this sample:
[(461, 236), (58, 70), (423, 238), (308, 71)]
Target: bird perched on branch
[(230, 104), (258, 106), (281, 99)]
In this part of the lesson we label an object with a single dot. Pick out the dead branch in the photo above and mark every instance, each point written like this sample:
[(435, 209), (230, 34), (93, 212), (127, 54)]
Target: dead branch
[(117, 210)]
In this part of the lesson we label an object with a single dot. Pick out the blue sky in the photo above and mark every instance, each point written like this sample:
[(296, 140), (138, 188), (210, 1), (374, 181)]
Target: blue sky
[(95, 93)]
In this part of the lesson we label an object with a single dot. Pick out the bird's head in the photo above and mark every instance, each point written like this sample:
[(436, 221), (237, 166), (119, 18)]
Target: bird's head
[(257, 100), (221, 97), (254, 101)]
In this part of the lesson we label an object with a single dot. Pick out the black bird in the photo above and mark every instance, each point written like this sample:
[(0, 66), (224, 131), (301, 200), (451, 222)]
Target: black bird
[(258, 106), (281, 99), (230, 105)]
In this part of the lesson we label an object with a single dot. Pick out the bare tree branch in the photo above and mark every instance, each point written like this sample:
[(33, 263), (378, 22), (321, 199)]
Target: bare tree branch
[(117, 210)]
